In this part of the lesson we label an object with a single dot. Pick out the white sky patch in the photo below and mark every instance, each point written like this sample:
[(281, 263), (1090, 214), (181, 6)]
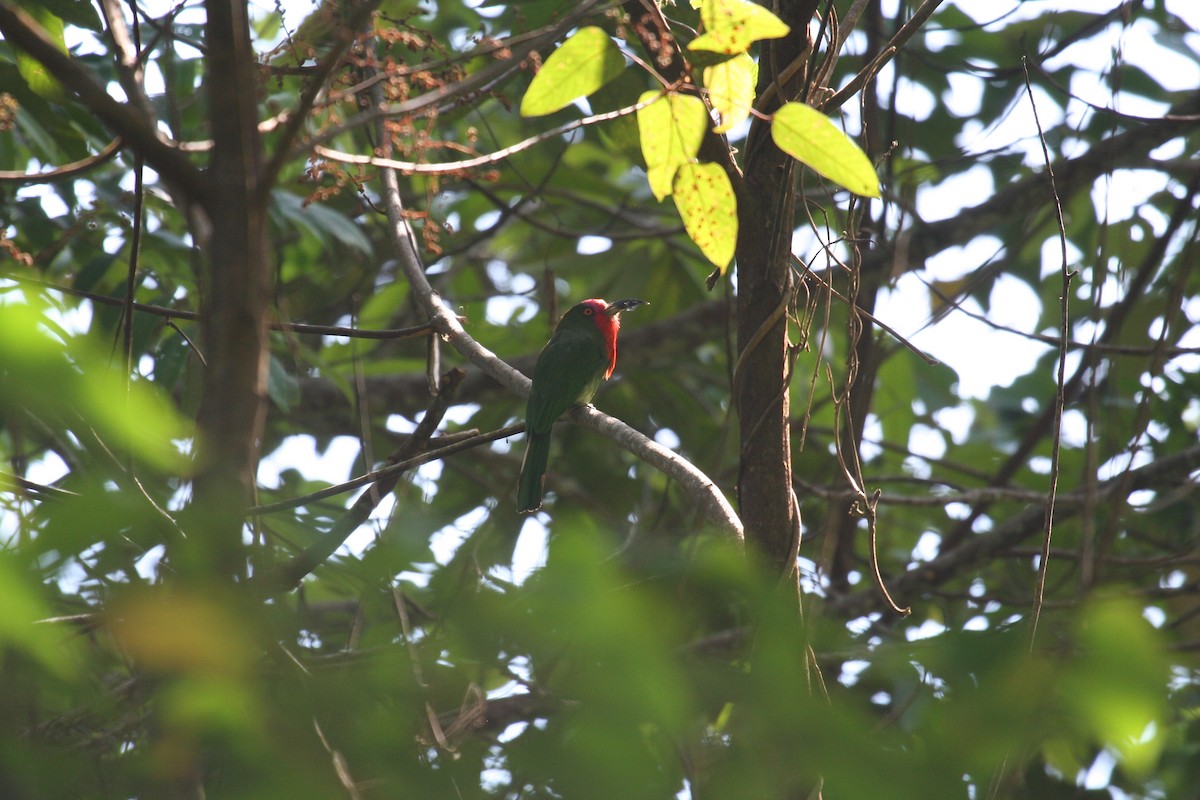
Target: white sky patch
[(926, 630), (667, 438), (592, 245), (531, 550), (300, 453), (927, 547), (982, 356)]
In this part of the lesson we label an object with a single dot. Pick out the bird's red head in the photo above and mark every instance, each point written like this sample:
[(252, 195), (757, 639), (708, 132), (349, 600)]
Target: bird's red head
[(607, 317)]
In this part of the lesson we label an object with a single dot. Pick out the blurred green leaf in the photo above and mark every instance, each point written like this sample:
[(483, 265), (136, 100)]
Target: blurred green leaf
[(68, 378), (23, 626), (39, 79)]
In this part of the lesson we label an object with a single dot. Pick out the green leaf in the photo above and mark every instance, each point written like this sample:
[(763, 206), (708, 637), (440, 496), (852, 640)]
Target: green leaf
[(71, 12), (1121, 661), (708, 208), (812, 139), (730, 87), (671, 129), (731, 26), (282, 388), (19, 628), (585, 62), (325, 223), (40, 81), (57, 374)]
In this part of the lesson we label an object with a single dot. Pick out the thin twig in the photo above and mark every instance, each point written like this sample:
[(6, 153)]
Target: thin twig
[(456, 93), (417, 167), (391, 469), (291, 573), (346, 32), (906, 32), (71, 170), (1060, 387), (921, 354)]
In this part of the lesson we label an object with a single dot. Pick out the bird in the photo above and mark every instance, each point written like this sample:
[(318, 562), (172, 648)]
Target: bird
[(581, 353)]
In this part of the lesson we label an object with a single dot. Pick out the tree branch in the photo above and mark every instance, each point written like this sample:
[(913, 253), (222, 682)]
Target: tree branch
[(124, 119), (291, 573), (420, 168), (66, 170), (1012, 530)]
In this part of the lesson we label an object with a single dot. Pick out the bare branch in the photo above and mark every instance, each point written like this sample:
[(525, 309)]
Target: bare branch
[(1060, 376), (906, 32), (416, 167), (1014, 529), (70, 170)]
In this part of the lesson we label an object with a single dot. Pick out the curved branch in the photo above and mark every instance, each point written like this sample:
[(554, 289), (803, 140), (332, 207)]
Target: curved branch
[(707, 494), (66, 170), (479, 161)]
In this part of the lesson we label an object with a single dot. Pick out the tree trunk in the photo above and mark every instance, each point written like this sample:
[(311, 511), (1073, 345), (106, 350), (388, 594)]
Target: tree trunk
[(236, 292), (766, 213)]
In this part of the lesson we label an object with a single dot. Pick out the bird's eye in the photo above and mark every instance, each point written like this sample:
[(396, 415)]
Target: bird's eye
[(588, 311)]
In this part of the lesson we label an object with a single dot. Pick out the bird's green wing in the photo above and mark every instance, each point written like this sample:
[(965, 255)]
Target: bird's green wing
[(568, 370)]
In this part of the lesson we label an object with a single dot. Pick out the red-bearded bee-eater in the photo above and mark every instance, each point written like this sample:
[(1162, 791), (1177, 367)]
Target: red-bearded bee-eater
[(581, 353)]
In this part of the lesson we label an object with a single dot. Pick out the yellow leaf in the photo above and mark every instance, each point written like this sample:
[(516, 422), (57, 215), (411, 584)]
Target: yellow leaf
[(183, 632), (730, 87), (671, 129), (731, 26), (708, 208)]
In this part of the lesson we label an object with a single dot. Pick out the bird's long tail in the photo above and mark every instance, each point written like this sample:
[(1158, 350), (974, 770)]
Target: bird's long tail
[(533, 473)]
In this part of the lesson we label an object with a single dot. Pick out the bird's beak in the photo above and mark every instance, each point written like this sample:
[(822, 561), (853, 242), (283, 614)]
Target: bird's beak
[(617, 306)]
